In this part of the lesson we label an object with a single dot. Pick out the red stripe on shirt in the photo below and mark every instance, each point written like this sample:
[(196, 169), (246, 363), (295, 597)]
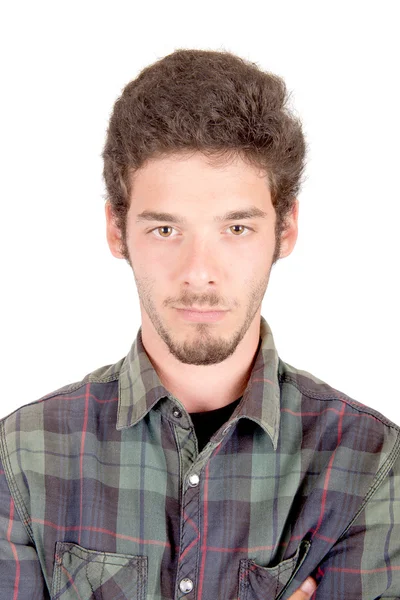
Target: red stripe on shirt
[(329, 469)]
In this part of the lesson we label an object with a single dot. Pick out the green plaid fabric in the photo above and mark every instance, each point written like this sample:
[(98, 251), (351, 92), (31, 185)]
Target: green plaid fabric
[(104, 495)]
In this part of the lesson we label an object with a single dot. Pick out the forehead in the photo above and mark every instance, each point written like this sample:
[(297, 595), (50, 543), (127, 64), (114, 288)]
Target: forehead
[(179, 181)]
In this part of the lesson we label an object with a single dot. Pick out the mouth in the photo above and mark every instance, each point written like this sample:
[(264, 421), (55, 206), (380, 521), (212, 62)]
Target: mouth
[(207, 316)]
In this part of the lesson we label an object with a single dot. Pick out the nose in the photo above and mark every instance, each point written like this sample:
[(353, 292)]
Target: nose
[(200, 266)]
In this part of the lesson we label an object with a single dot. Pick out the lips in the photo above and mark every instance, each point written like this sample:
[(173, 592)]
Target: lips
[(202, 316), (202, 310)]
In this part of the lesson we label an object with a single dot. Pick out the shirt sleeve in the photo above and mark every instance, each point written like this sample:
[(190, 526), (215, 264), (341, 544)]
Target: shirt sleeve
[(20, 571), (365, 563)]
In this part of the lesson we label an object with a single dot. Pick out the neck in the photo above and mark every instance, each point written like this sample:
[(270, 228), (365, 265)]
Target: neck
[(203, 388)]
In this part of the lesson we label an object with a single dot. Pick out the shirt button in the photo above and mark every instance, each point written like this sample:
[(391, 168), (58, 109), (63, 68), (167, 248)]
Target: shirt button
[(186, 585), (194, 480), (177, 413)]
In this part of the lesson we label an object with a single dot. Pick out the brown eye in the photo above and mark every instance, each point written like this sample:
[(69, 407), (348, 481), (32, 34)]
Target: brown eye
[(164, 227), (242, 226)]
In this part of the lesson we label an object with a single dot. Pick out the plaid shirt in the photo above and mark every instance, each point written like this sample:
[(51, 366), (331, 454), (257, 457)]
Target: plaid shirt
[(104, 495)]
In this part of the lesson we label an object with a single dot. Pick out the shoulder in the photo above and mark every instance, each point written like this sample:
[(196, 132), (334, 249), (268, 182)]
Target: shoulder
[(349, 451), (331, 420), (45, 436), (323, 395), (54, 409)]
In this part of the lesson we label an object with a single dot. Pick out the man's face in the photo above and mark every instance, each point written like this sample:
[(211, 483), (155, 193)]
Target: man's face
[(200, 262)]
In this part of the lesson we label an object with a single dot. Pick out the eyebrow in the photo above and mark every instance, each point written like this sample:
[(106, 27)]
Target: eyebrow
[(253, 212)]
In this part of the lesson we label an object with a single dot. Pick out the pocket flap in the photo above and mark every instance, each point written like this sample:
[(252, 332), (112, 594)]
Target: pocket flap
[(82, 574)]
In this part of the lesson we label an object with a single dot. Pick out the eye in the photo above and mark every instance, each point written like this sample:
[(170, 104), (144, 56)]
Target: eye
[(236, 234), (242, 226), (162, 227)]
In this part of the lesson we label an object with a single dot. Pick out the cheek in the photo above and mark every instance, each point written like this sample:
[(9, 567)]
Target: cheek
[(247, 275), (253, 259), (146, 257), (253, 267)]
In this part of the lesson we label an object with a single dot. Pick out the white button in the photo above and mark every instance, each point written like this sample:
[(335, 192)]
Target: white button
[(194, 480), (186, 585)]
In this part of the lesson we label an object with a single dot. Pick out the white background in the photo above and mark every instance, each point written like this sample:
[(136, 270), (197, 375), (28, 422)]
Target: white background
[(68, 306)]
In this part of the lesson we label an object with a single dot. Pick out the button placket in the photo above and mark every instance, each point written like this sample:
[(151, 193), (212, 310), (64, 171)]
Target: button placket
[(187, 569), (186, 574)]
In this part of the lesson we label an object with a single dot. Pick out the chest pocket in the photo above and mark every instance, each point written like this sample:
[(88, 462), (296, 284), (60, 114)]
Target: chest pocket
[(259, 583), (81, 574)]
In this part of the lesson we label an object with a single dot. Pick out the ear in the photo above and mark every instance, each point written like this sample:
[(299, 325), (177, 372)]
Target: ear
[(112, 231), (289, 235)]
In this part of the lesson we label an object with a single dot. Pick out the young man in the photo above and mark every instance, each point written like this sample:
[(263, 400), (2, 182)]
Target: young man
[(200, 465)]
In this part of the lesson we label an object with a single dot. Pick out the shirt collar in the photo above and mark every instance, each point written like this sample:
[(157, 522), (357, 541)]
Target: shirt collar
[(140, 387)]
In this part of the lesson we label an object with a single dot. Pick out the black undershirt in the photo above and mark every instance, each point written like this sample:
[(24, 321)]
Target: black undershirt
[(208, 422)]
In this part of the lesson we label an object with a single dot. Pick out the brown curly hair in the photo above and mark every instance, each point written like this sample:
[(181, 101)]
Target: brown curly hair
[(212, 102)]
